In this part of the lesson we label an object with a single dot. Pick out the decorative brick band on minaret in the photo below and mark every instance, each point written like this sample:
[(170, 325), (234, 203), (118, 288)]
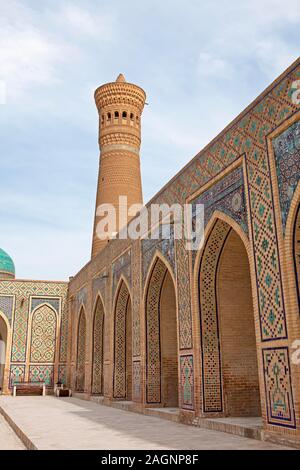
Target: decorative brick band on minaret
[(120, 106)]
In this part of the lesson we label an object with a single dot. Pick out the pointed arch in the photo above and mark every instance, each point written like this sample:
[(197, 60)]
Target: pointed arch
[(122, 375), (43, 328), (227, 326), (98, 347), (81, 351), (161, 335)]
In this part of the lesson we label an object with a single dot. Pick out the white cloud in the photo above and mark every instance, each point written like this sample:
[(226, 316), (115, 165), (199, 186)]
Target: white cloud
[(210, 65)]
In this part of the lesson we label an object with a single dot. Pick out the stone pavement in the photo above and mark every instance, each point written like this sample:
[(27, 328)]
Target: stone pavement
[(8, 439), (71, 423)]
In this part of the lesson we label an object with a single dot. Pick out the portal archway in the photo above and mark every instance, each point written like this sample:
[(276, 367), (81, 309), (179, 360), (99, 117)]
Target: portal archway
[(122, 384), (161, 338), (3, 347), (81, 352), (98, 349), (229, 357)]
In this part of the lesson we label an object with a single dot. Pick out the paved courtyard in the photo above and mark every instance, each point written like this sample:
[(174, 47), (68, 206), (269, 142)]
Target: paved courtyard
[(8, 439), (70, 423)]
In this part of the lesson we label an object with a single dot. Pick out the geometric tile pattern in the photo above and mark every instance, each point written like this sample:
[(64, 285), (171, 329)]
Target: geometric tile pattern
[(137, 380), (17, 374), (98, 334), (6, 306), (81, 354), (41, 373), (43, 334), (286, 148), (136, 288), (153, 347), (183, 289), (120, 266), (279, 396), (211, 360), (187, 382), (120, 372)]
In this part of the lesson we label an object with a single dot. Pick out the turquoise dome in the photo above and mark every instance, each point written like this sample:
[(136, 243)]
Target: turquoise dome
[(6, 263)]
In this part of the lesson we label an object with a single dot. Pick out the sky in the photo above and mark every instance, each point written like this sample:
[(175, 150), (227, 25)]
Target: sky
[(201, 62)]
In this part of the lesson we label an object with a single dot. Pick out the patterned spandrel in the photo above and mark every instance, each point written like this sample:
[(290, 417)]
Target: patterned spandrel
[(6, 306), (55, 303), (121, 266), (287, 157), (162, 241)]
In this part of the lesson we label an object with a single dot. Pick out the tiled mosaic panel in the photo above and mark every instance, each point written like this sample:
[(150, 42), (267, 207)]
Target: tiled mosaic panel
[(55, 303), (24, 290), (137, 377), (64, 331), (187, 382), (287, 158), (297, 251), (161, 243), (120, 342), (211, 360), (98, 327), (227, 196), (62, 374), (121, 266), (17, 374), (42, 373), (136, 288), (183, 289), (43, 335), (6, 306), (279, 396), (81, 346), (153, 385)]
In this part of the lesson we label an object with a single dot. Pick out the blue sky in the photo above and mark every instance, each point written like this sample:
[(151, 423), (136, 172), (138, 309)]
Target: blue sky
[(200, 62)]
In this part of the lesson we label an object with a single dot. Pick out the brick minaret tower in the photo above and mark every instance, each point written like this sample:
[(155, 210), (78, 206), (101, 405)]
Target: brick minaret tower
[(120, 105)]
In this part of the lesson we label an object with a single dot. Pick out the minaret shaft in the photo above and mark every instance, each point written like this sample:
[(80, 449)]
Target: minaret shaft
[(120, 105)]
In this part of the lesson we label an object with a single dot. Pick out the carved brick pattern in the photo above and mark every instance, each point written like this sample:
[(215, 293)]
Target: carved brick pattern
[(153, 354), (98, 332), (211, 362), (280, 406), (183, 289), (43, 335), (120, 342), (81, 353)]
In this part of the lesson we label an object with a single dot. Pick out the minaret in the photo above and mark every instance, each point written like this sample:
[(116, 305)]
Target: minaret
[(120, 105)]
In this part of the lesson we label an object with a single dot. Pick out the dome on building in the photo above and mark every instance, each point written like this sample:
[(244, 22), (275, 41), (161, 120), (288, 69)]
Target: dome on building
[(6, 264)]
